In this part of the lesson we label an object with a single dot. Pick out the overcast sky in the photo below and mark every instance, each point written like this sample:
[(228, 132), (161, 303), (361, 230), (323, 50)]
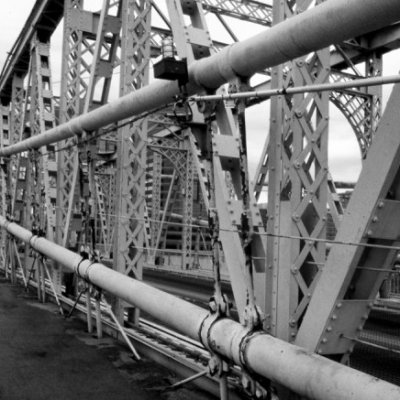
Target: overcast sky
[(344, 155)]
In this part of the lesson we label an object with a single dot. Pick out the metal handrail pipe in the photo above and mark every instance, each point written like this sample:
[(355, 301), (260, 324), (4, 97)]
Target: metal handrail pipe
[(331, 22), (323, 87), (303, 372)]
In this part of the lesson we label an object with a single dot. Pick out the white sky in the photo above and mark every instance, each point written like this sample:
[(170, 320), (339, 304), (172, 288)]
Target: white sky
[(345, 163)]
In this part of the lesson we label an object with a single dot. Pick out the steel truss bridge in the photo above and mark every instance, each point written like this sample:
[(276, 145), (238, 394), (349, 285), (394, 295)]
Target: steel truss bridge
[(120, 177)]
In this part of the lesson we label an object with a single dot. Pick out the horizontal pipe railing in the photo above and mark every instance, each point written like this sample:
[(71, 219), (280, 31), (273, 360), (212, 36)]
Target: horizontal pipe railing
[(330, 22), (305, 373), (323, 87)]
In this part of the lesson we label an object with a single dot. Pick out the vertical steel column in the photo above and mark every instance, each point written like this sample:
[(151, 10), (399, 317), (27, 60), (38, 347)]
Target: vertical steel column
[(194, 42), (87, 71), (155, 223), (374, 68), (73, 87), (102, 67), (297, 185), (104, 198), (131, 151), (4, 142), (187, 232), (42, 118), (17, 117)]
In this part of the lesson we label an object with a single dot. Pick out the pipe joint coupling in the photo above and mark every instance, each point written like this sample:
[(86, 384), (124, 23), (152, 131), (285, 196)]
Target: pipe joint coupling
[(205, 328), (31, 241), (83, 269), (244, 362)]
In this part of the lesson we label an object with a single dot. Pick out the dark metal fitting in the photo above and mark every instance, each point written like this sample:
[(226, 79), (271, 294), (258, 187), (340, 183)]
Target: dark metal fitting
[(206, 107), (253, 317), (97, 292), (212, 305), (250, 385), (219, 305), (215, 365)]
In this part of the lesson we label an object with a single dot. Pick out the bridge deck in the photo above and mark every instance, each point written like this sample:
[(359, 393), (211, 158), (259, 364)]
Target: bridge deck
[(43, 357)]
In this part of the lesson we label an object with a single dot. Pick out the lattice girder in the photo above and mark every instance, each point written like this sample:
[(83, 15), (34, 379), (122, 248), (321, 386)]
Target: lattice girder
[(4, 141), (129, 245), (297, 192), (72, 85)]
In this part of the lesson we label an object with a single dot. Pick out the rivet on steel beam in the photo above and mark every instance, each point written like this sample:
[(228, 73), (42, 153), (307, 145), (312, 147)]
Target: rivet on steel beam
[(381, 204), (298, 113), (375, 219)]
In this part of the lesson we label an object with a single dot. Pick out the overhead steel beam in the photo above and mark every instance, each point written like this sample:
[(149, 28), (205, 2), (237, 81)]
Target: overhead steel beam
[(330, 22), (43, 20), (249, 10), (302, 372), (382, 41), (46, 15)]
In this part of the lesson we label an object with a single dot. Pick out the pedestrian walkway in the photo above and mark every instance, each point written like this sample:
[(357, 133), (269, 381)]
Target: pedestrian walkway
[(45, 357)]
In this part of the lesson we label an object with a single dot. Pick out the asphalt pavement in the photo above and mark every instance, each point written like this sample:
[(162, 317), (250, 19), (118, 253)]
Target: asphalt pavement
[(45, 357)]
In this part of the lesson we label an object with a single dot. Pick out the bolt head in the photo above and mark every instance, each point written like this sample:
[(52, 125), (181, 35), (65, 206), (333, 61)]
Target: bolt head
[(212, 306)]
